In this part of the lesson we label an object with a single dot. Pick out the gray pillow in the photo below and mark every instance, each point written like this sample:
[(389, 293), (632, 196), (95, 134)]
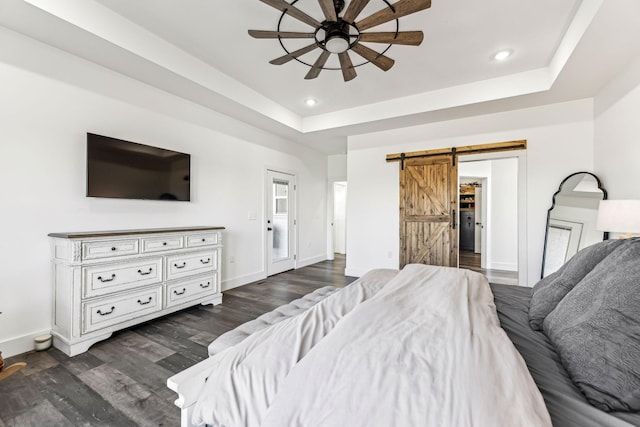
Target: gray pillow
[(548, 292), (596, 331)]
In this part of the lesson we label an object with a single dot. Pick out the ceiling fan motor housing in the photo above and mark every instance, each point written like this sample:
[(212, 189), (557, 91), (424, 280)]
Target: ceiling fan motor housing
[(336, 36)]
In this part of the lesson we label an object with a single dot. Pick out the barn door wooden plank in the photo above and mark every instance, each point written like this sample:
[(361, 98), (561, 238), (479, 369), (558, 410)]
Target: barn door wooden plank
[(428, 210)]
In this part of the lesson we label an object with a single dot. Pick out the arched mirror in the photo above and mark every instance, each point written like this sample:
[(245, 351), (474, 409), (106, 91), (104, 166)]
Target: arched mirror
[(571, 220)]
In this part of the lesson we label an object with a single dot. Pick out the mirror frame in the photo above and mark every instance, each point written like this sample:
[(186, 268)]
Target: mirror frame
[(605, 235)]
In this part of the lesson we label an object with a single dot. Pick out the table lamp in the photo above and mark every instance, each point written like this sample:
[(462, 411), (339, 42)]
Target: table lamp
[(619, 216)]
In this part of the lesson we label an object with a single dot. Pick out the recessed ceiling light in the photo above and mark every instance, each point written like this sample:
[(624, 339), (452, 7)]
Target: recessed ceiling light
[(310, 102), (502, 55)]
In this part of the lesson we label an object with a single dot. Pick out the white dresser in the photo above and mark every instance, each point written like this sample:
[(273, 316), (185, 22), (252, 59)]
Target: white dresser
[(105, 281)]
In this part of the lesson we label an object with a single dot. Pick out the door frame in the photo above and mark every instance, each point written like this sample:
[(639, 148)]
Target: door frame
[(333, 219), (483, 210), (267, 194), (521, 156), (330, 202)]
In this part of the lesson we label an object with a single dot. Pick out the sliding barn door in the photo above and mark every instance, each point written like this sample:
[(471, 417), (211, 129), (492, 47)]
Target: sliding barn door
[(428, 211)]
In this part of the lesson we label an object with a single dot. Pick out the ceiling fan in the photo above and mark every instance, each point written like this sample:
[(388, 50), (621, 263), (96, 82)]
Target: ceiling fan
[(337, 34)]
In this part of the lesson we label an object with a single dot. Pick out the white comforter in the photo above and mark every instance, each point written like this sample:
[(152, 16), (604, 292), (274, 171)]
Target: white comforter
[(426, 350)]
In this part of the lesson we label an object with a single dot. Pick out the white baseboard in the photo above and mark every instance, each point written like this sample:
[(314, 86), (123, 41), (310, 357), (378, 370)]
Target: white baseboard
[(242, 280), (21, 344), (507, 266), (261, 275), (308, 261)]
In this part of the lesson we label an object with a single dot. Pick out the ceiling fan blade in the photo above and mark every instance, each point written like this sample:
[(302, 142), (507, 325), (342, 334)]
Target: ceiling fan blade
[(292, 11), (329, 10), (259, 34), (348, 72), (378, 59), (317, 66), (402, 8), (288, 57), (412, 38), (354, 9)]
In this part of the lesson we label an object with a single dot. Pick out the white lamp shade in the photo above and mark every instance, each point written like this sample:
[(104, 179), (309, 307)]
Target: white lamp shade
[(619, 216)]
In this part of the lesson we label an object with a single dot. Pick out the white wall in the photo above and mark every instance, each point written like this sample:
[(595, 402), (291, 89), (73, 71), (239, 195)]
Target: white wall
[(617, 142), (43, 125), (560, 141), (337, 167)]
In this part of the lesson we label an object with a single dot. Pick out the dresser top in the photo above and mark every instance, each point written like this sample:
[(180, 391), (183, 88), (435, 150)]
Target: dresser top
[(113, 233)]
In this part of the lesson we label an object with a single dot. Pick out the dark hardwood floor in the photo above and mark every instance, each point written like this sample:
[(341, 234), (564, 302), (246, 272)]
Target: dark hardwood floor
[(122, 381)]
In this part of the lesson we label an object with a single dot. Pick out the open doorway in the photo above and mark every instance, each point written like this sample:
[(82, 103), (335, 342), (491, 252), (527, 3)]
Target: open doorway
[(488, 218), (473, 230), (340, 217)]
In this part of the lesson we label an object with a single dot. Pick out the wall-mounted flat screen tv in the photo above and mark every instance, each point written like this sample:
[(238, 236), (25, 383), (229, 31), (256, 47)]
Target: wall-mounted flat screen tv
[(128, 170)]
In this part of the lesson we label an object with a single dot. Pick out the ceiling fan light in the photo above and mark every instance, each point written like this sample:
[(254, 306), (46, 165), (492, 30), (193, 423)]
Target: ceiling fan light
[(337, 44)]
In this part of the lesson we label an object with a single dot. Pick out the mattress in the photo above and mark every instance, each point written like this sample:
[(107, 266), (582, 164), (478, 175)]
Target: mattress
[(566, 404)]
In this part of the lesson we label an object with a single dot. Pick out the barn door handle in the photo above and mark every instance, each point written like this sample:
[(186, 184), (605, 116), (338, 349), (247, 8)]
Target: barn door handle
[(453, 219)]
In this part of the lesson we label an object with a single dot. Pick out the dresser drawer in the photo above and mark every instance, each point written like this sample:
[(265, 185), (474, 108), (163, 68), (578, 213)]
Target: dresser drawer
[(158, 244), (180, 293), (107, 249), (205, 239), (109, 278), (111, 311), (179, 266)]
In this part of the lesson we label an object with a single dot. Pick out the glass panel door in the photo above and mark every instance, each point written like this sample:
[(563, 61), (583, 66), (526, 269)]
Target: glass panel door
[(280, 248), (280, 222)]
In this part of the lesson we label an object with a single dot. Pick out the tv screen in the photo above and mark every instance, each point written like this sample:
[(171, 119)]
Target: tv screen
[(127, 170)]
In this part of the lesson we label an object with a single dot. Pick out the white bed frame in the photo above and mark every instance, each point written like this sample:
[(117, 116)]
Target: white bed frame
[(188, 384)]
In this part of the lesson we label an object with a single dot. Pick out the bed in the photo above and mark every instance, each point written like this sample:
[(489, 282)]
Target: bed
[(431, 346)]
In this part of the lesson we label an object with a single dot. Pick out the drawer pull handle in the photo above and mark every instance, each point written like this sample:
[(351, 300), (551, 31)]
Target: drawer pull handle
[(204, 240), (106, 313), (147, 273), (207, 261), (164, 243), (180, 293), (205, 286), (184, 264), (146, 302), (113, 276), (113, 248)]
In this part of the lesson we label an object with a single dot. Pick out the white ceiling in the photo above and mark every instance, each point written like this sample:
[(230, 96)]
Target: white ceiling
[(200, 50)]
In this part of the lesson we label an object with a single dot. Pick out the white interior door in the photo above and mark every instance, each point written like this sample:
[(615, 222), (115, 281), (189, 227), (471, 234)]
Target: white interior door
[(281, 222)]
